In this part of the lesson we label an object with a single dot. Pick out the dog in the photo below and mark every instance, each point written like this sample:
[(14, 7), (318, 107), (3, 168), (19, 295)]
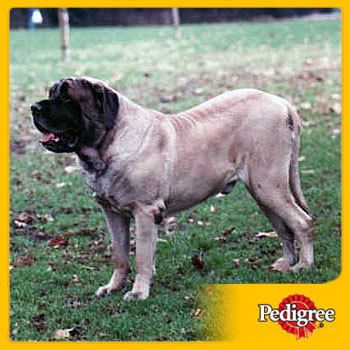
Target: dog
[(145, 165)]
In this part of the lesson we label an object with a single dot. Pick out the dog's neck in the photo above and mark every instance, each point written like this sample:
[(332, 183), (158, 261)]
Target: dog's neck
[(133, 125), (91, 160), (121, 142), (91, 156)]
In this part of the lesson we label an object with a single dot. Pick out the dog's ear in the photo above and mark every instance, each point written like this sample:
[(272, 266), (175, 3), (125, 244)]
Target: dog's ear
[(110, 107), (64, 87), (61, 87), (108, 102), (53, 89)]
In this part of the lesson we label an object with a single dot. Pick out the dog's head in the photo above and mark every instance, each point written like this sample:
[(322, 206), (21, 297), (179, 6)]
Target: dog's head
[(78, 112)]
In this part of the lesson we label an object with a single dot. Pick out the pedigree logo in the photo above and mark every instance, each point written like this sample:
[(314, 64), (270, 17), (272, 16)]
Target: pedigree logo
[(297, 315)]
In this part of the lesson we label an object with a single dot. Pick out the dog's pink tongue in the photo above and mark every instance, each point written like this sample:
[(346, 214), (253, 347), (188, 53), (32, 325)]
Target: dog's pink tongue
[(48, 137)]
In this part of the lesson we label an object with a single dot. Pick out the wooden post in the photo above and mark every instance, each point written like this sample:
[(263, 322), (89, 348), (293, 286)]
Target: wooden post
[(176, 20), (63, 20)]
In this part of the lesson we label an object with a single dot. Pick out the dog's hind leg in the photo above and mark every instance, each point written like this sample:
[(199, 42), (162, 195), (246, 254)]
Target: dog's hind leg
[(271, 190), (289, 257)]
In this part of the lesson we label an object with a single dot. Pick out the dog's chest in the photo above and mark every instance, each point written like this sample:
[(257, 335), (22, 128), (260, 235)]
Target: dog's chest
[(104, 189)]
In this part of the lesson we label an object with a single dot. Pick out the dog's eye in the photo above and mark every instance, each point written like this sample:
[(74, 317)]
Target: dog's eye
[(65, 98)]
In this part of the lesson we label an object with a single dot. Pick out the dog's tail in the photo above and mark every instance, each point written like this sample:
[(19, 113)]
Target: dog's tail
[(294, 180)]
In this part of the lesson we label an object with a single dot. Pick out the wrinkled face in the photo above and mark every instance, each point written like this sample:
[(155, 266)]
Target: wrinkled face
[(78, 112), (58, 118)]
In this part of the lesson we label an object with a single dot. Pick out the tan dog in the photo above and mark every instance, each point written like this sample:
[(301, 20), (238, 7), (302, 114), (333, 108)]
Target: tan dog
[(143, 164)]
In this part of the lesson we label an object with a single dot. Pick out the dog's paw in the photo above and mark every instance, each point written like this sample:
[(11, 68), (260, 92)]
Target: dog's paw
[(281, 265), (300, 266), (135, 295), (105, 290)]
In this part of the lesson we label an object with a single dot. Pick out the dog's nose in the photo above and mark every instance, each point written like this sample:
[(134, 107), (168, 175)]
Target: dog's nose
[(36, 108)]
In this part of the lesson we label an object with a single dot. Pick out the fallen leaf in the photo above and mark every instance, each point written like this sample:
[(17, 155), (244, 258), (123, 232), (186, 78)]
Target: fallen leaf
[(305, 105), (308, 171), (169, 220), (24, 261), (69, 332), (45, 218), (58, 242), (85, 231), (335, 133), (87, 267), (66, 210), (168, 98), (38, 175), (19, 224), (15, 330), (266, 234), (336, 108), (253, 262), (73, 303), (70, 169), (198, 91), (308, 123), (75, 278), (61, 184), (228, 231), (38, 322), (198, 313), (221, 239), (23, 219), (189, 297), (62, 333), (197, 261), (236, 262), (41, 235)]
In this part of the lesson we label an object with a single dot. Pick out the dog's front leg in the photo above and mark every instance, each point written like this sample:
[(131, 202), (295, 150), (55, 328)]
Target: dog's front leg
[(119, 231), (146, 239)]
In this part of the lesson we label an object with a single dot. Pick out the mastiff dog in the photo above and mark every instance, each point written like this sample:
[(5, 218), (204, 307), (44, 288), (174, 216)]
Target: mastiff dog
[(145, 165)]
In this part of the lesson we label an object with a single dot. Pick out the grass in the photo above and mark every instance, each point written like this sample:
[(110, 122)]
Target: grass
[(52, 288)]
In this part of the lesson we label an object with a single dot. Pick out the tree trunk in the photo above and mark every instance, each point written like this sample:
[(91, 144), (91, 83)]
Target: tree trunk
[(176, 20), (63, 20)]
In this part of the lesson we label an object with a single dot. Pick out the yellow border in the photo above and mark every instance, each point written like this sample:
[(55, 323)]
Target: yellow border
[(239, 323)]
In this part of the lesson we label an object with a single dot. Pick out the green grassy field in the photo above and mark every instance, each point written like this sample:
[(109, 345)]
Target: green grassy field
[(53, 288)]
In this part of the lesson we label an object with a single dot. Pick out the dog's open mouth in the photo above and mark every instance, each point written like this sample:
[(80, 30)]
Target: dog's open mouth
[(59, 142), (49, 137)]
